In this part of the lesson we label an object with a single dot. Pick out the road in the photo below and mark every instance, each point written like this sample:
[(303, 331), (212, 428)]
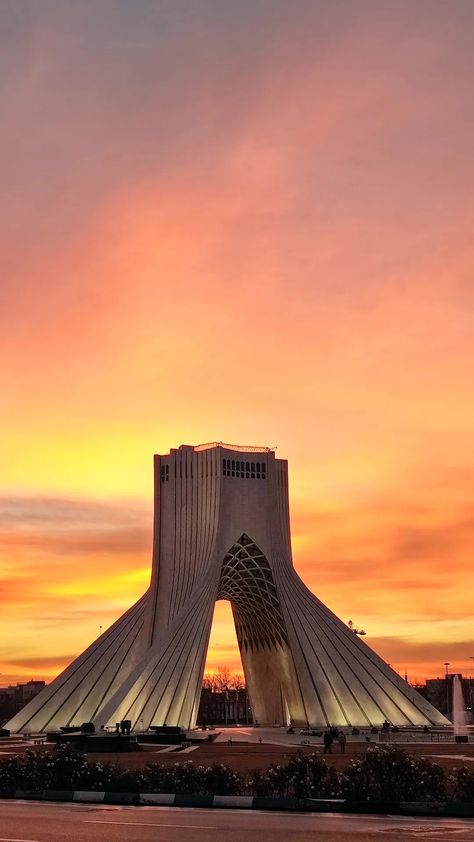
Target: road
[(38, 822)]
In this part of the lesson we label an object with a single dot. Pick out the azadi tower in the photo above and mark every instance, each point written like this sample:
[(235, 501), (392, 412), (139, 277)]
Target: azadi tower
[(222, 531)]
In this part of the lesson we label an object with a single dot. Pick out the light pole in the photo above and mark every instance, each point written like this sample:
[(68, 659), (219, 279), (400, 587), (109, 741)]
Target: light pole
[(471, 658), (446, 664)]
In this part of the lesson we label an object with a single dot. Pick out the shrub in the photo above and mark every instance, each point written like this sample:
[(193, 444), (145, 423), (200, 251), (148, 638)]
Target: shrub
[(66, 769), (385, 773), (256, 782), (221, 780), (462, 784), (180, 778), (62, 769), (186, 778), (9, 775), (113, 778), (389, 774), (304, 776)]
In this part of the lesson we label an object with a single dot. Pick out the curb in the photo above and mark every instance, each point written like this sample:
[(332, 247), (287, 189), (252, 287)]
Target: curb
[(461, 810)]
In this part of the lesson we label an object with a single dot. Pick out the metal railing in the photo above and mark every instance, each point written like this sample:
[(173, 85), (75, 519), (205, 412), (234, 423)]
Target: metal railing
[(237, 447)]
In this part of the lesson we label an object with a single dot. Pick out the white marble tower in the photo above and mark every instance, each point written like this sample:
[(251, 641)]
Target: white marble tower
[(222, 531)]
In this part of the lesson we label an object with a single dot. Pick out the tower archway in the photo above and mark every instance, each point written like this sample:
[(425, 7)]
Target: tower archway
[(247, 583)]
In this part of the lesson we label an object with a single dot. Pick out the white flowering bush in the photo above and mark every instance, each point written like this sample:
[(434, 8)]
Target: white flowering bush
[(110, 777), (304, 776), (385, 773), (62, 769), (8, 775), (462, 784), (186, 778), (222, 780), (389, 774), (65, 769)]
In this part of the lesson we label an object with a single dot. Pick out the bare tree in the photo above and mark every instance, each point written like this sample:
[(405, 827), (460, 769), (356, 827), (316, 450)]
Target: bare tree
[(223, 678), (237, 682), (208, 682)]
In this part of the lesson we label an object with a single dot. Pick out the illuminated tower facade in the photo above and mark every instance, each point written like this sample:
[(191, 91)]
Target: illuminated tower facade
[(222, 531)]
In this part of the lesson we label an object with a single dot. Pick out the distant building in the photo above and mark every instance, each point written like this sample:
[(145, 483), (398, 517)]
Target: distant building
[(228, 707), (439, 692), (16, 696)]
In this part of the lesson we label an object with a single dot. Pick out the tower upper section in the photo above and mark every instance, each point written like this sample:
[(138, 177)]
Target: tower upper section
[(206, 496), (216, 459)]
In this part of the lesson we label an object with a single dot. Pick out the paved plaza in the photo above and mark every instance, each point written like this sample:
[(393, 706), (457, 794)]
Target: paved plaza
[(241, 749)]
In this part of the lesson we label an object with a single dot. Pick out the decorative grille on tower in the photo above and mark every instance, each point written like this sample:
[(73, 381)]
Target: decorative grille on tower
[(247, 582)]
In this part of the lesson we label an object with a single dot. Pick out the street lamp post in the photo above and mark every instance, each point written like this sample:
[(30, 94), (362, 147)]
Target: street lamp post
[(446, 664), (470, 690)]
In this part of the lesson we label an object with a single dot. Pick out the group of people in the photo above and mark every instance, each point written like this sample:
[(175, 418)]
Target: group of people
[(330, 737)]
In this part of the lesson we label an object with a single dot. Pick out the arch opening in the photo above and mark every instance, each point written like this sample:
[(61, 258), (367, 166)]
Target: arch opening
[(247, 582)]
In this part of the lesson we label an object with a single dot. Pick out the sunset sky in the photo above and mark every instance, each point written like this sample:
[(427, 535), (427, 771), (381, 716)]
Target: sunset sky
[(243, 221)]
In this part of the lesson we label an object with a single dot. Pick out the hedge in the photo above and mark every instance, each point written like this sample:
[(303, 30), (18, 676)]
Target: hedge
[(384, 773)]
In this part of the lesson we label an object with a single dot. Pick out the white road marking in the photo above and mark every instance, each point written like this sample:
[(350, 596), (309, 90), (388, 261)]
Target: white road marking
[(2, 839), (146, 824), (190, 748)]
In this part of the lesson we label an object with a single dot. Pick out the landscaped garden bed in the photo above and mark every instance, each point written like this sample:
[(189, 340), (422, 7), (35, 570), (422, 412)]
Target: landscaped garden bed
[(382, 774)]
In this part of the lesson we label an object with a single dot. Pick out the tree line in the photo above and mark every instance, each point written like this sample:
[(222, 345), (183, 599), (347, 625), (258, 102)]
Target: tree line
[(223, 679)]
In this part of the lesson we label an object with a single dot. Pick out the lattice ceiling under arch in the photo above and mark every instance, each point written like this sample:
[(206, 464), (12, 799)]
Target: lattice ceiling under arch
[(247, 582)]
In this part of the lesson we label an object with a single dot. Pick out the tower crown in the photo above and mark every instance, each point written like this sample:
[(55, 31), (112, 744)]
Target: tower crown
[(239, 448)]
